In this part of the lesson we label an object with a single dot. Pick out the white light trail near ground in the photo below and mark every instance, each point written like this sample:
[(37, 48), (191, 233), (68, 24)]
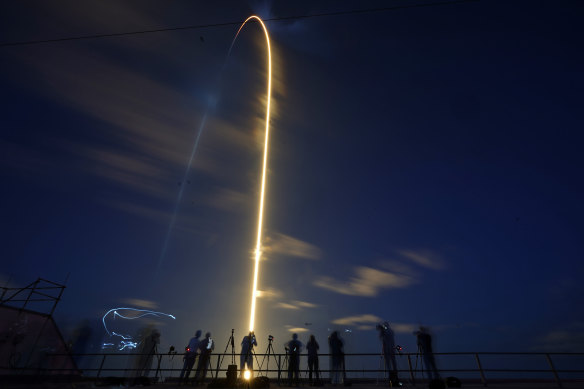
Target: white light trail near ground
[(258, 249)]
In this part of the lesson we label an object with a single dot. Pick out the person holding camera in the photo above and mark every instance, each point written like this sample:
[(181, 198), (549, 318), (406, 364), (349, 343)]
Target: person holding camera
[(246, 356), (387, 337)]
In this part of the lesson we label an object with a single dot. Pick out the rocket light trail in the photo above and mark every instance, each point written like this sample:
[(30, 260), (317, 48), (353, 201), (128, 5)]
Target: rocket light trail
[(258, 251)]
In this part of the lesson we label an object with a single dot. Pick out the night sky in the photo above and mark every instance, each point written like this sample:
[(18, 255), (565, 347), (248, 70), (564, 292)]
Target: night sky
[(425, 168)]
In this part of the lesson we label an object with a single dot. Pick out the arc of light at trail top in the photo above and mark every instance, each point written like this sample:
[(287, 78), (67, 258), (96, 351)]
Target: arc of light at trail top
[(258, 251)]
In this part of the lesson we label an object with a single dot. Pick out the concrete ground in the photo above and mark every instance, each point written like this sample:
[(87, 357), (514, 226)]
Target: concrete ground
[(171, 385)]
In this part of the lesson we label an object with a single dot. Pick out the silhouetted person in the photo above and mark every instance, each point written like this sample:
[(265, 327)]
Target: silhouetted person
[(190, 356), (246, 356), (146, 353), (337, 358), (294, 348), (388, 348), (206, 347), (80, 341), (425, 348), (312, 348)]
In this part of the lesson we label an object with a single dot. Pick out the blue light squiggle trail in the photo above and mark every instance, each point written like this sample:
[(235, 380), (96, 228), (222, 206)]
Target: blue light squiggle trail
[(126, 341)]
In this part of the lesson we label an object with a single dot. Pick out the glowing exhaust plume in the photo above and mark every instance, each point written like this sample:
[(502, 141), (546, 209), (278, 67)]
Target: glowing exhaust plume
[(258, 251)]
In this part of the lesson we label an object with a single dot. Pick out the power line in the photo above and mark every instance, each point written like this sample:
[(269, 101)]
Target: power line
[(200, 26)]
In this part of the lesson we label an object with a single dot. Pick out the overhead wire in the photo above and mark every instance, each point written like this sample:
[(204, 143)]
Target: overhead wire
[(210, 25)]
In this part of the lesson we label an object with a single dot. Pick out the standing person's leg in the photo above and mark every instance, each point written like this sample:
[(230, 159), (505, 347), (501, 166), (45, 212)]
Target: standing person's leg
[(190, 368), (205, 366), (290, 369), (310, 368), (184, 368), (200, 368), (429, 365), (433, 367), (316, 368), (393, 365)]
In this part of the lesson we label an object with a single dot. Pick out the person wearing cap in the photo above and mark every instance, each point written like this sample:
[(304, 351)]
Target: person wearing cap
[(191, 352)]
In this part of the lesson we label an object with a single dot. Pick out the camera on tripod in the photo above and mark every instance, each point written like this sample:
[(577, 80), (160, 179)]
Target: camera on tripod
[(270, 338)]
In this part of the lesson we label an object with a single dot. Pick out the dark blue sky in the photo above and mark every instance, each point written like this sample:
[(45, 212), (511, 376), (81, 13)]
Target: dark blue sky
[(425, 168)]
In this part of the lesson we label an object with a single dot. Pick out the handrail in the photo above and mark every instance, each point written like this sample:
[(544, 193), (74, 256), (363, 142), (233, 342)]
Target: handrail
[(168, 365)]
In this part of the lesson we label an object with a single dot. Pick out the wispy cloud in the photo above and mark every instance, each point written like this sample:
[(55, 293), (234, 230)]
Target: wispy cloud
[(566, 338), (367, 282), (397, 273), (286, 306), (269, 293), (281, 244), (424, 258), (296, 305), (357, 320), (368, 322), (304, 304), (297, 329), (133, 302)]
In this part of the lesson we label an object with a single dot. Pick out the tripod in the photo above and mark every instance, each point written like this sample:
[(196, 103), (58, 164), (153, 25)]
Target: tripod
[(231, 342), (421, 359), (381, 366), (269, 350)]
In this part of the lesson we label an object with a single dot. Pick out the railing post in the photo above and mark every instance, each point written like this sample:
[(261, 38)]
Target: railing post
[(484, 381), (549, 359), (279, 366), (411, 370), (101, 366)]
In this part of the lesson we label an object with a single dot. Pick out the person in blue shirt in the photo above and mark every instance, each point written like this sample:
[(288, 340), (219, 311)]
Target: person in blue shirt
[(190, 357), (246, 356), (294, 347)]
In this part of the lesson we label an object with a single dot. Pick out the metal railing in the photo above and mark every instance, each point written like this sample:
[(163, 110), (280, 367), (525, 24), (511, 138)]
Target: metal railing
[(473, 366)]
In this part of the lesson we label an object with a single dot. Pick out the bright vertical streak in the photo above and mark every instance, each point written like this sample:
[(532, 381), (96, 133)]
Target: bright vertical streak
[(258, 251)]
